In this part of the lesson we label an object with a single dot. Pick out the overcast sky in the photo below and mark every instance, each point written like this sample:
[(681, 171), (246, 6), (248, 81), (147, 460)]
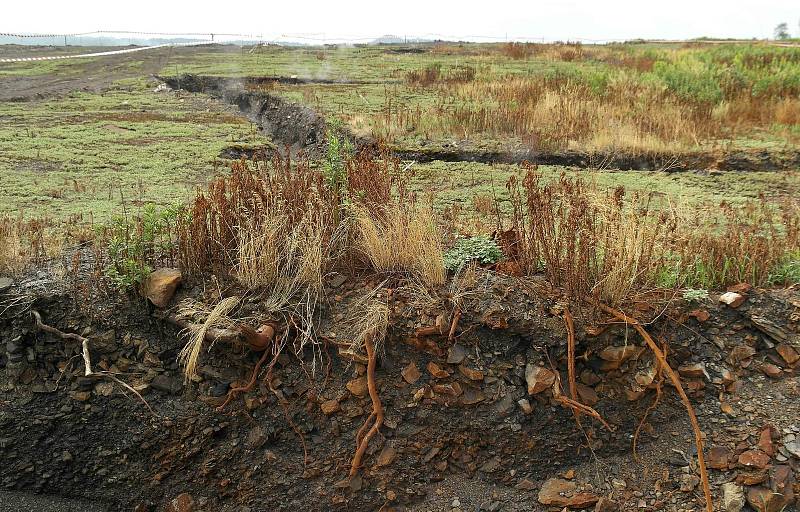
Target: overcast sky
[(332, 19)]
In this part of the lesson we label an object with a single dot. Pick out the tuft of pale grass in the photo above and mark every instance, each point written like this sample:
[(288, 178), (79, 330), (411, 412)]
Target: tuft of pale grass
[(368, 319), (189, 356), (400, 239)]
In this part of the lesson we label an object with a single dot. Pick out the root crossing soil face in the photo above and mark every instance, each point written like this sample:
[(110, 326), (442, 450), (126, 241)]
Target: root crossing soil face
[(467, 425)]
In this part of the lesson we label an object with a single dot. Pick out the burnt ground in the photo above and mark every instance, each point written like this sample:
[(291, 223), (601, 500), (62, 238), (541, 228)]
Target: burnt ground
[(459, 437)]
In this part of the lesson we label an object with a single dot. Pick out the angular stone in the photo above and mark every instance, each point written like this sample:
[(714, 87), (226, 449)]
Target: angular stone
[(764, 500), (410, 373), (538, 378), (161, 284), (788, 353), (435, 370), (525, 405), (614, 356), (586, 394), (456, 354), (450, 389), (525, 485), (358, 386), (754, 459), (563, 493), (606, 505), (732, 299), (167, 384), (470, 373), (386, 456), (693, 371), (718, 457), (329, 407), (771, 370)]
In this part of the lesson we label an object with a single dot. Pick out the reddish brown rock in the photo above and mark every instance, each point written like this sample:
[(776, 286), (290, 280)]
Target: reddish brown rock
[(754, 459), (586, 394), (787, 353), (410, 373), (765, 441), (538, 378), (732, 299), (719, 457), (435, 370), (701, 315), (386, 456), (451, 389), (614, 356), (161, 284), (564, 493), (693, 371), (770, 370), (739, 288), (329, 407), (181, 503), (358, 386), (470, 373)]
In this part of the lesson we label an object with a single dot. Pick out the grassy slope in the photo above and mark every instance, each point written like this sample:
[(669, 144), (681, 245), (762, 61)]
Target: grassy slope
[(80, 154)]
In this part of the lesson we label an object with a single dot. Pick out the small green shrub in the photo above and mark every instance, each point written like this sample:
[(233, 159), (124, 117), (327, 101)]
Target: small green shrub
[(481, 249), (695, 295), (787, 271), (135, 245)]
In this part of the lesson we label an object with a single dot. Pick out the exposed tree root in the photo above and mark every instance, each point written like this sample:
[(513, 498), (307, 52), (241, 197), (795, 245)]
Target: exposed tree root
[(453, 326), (649, 410), (676, 381), (573, 391), (87, 360), (247, 387), (377, 408)]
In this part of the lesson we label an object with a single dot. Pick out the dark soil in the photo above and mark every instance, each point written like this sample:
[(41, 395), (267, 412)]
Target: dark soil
[(65, 435)]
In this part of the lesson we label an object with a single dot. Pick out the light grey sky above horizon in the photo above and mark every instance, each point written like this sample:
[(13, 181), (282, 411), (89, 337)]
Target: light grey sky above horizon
[(343, 19)]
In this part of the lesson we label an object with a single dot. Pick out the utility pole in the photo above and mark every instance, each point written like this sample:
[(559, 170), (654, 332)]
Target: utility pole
[(65, 40)]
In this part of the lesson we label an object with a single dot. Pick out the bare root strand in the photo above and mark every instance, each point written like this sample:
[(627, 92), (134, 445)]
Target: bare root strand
[(573, 390), (454, 325), (377, 408), (87, 360), (676, 381), (578, 407), (364, 428), (653, 405), (247, 387)]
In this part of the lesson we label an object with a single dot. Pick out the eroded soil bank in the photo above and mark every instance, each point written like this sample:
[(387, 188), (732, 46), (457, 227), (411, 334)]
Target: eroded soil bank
[(461, 431), (302, 128)]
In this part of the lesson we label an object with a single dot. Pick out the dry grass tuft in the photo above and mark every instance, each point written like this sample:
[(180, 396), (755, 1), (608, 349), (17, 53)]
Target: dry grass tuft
[(189, 356), (401, 239)]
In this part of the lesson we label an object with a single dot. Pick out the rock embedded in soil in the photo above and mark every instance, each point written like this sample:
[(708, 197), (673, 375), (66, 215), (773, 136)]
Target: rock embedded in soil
[(788, 353), (754, 459), (564, 493), (167, 384), (470, 373), (437, 372), (330, 407), (6, 283), (161, 284), (410, 373), (358, 386), (718, 457), (456, 354), (538, 378), (732, 299)]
